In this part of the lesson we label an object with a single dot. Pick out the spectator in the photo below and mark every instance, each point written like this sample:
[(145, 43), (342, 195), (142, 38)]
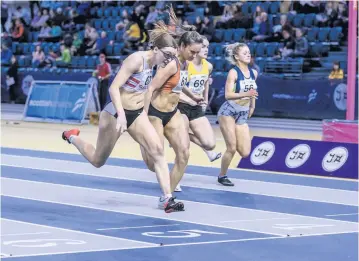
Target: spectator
[(151, 18), (12, 80), (45, 31), (65, 59), (4, 14), (19, 31), (264, 28), (90, 39), (6, 54), (100, 45), (198, 23), (42, 21), (59, 17), (132, 35), (336, 72), (207, 28), (301, 44), (103, 73), (38, 57), (76, 44), (288, 45), (328, 17), (6, 39), (36, 19), (23, 14)]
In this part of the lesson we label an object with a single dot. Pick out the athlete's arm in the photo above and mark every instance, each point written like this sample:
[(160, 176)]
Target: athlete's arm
[(206, 85), (190, 94), (229, 91), (130, 65), (162, 75), (252, 105)]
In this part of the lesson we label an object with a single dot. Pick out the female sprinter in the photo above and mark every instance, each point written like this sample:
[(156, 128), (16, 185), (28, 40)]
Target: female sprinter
[(161, 103), (198, 81), (240, 93), (124, 112)]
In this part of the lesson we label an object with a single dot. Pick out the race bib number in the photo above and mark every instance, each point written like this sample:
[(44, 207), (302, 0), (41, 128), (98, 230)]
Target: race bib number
[(197, 83), (247, 85), (182, 82)]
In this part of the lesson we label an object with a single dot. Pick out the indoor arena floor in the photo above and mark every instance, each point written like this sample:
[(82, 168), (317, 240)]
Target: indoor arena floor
[(56, 206)]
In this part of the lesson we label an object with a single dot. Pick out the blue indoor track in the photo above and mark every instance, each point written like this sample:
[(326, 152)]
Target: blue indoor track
[(56, 206)]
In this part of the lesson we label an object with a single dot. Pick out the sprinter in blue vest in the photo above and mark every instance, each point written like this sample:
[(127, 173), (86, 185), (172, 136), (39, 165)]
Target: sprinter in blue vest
[(240, 93)]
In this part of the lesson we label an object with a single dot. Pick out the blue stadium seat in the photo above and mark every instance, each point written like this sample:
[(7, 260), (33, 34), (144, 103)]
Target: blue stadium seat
[(113, 24), (312, 34), (97, 23), (91, 62), (246, 8), (26, 48), (239, 34), (114, 12), (298, 20), (271, 49), (323, 34), (252, 48), (274, 7), (219, 50), (117, 49), (309, 20), (228, 35), (105, 25), (100, 12), (261, 63), (119, 36), (219, 64), (227, 66), (218, 35), (82, 61), (265, 6), (261, 50), (335, 34), (74, 61), (111, 35), (315, 49)]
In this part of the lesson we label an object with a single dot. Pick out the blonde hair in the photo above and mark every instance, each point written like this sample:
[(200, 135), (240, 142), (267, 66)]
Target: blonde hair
[(232, 50)]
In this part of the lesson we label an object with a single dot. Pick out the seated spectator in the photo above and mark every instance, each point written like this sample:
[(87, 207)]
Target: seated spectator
[(59, 17), (264, 28), (133, 34), (38, 57), (18, 33), (42, 21), (6, 54), (45, 31), (207, 28), (288, 45), (76, 44), (301, 44), (23, 14), (100, 45), (90, 39), (36, 19), (6, 39), (198, 23), (226, 16), (277, 29), (336, 72), (328, 16), (65, 59), (151, 18)]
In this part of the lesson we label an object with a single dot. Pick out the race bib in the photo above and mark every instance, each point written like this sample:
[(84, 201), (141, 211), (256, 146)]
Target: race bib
[(182, 82), (197, 83), (247, 85)]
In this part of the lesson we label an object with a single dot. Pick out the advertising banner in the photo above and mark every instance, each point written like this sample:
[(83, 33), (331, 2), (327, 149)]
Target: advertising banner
[(66, 102), (319, 158)]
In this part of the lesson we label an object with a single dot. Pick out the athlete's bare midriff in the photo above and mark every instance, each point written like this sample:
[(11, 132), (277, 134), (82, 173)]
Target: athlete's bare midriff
[(132, 100), (165, 101), (243, 102)]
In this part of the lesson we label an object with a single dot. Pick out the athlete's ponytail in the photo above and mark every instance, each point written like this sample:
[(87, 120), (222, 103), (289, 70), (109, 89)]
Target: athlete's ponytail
[(232, 50), (184, 34), (161, 37)]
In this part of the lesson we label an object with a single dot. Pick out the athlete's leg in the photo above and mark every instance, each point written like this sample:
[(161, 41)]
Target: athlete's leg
[(177, 135), (244, 141), (228, 128), (157, 124), (106, 140), (203, 134), (145, 134)]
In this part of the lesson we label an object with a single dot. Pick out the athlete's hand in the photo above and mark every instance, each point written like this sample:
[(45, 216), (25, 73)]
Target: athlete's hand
[(197, 98), (252, 93), (121, 125), (204, 105)]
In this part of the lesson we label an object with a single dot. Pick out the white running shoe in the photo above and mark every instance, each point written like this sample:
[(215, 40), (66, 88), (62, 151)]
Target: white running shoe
[(178, 188)]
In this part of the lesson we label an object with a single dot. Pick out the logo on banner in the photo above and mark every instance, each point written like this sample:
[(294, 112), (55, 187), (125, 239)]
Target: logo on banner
[(262, 153), (80, 102), (312, 96), (297, 156), (26, 84), (340, 96), (335, 159)]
